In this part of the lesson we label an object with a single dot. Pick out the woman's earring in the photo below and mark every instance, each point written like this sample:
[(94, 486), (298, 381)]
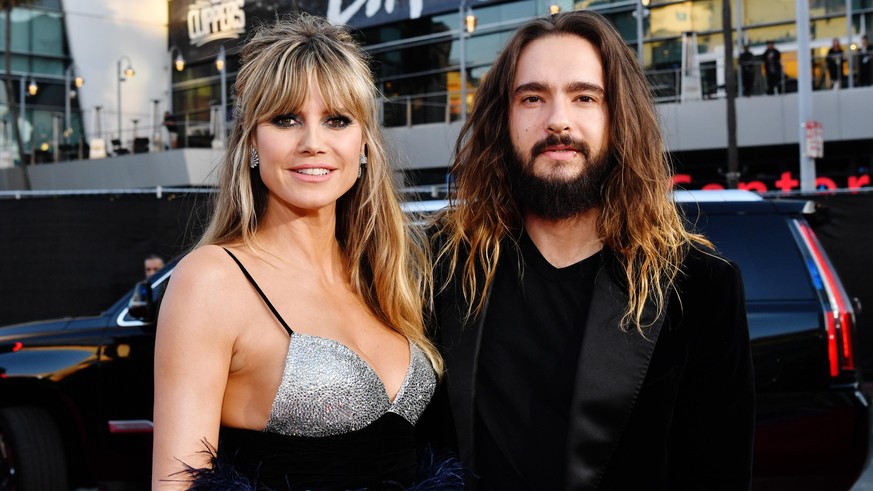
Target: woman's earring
[(254, 159), (363, 162), (362, 166)]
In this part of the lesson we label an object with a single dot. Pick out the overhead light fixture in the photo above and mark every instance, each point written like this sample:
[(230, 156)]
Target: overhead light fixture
[(554, 9), (220, 61), (470, 21), (179, 63)]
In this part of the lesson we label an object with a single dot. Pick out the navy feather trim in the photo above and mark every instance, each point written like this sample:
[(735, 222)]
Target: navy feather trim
[(437, 472), (443, 472), (219, 476)]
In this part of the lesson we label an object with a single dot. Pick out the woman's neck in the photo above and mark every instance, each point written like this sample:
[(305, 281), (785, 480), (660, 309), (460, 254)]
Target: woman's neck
[(307, 241)]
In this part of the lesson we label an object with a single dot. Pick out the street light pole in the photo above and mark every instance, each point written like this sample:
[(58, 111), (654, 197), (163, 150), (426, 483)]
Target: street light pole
[(79, 81), (804, 95), (463, 57), (641, 12), (157, 140), (122, 76), (179, 63), (67, 101), (221, 65), (730, 84), (468, 25), (849, 52), (21, 101), (640, 32), (31, 88)]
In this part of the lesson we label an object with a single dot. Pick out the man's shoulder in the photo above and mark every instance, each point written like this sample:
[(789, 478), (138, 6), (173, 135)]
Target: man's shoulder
[(708, 287), (700, 265), (704, 266)]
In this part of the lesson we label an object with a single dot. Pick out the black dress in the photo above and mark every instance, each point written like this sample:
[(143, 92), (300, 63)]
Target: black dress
[(332, 426)]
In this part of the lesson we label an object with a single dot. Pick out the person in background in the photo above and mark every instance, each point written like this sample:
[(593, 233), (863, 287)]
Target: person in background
[(748, 68), (152, 263), (771, 59), (865, 64), (290, 349), (835, 62), (172, 129), (591, 341)]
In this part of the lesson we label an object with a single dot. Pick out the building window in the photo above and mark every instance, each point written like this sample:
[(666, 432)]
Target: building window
[(769, 12)]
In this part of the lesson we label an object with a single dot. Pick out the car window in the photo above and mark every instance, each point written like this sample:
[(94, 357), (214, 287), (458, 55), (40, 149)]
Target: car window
[(765, 249)]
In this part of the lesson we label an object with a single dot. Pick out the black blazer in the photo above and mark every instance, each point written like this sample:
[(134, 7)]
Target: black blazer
[(673, 409)]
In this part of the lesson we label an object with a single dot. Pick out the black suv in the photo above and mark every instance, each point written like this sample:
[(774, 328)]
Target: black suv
[(813, 422), (76, 394)]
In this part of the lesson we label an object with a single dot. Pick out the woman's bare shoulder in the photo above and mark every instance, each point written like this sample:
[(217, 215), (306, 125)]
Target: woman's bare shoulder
[(202, 286), (208, 268), (209, 263)]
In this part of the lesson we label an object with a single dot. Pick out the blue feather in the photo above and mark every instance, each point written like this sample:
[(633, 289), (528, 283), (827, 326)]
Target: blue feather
[(437, 472)]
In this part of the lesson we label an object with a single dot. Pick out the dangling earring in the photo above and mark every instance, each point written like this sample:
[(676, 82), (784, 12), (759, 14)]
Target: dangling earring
[(363, 161), (254, 159)]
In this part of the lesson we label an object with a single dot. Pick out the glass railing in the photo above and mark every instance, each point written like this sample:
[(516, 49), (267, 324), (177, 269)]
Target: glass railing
[(667, 85), (432, 107), (191, 129), (200, 128)]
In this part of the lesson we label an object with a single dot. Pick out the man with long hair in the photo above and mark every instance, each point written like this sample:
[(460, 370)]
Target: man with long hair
[(590, 341)]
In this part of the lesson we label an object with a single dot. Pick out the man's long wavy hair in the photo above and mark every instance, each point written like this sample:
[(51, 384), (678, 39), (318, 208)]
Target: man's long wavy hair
[(383, 255), (637, 220)]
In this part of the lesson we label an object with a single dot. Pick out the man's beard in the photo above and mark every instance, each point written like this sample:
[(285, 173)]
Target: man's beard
[(555, 198)]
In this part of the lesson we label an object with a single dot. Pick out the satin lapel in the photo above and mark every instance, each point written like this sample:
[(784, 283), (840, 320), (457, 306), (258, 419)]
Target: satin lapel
[(460, 352), (611, 370)]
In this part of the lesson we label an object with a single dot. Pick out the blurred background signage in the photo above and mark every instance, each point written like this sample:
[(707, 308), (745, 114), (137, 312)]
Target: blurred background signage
[(196, 25), (814, 139)]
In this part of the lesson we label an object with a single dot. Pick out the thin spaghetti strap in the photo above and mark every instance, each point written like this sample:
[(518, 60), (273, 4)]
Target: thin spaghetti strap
[(260, 292)]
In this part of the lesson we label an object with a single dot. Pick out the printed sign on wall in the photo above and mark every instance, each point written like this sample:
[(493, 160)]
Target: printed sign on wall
[(197, 27)]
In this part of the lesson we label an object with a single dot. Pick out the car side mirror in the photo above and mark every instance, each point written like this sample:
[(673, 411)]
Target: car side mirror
[(142, 303)]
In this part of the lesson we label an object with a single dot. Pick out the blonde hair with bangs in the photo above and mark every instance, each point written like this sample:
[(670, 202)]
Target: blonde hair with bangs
[(382, 249)]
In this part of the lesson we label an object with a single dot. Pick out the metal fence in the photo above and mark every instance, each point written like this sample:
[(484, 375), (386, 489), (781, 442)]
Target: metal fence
[(201, 128)]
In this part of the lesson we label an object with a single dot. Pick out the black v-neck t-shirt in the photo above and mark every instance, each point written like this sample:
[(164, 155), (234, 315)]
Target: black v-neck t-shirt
[(527, 368)]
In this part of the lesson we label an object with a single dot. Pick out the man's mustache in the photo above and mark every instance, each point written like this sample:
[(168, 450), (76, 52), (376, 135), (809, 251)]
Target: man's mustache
[(562, 140)]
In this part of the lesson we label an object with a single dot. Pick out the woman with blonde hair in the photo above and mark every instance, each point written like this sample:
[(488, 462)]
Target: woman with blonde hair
[(290, 350)]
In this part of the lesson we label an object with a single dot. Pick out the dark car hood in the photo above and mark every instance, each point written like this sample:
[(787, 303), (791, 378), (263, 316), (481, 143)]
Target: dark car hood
[(37, 328)]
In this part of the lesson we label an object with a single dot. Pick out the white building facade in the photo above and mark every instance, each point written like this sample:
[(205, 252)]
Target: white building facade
[(428, 57)]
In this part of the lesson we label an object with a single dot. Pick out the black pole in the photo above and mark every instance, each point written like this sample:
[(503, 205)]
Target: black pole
[(733, 174)]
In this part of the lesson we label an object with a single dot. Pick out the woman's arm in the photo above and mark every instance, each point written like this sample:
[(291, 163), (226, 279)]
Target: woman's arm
[(193, 350)]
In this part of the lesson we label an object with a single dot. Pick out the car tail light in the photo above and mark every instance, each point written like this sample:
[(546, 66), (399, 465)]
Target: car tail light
[(839, 316)]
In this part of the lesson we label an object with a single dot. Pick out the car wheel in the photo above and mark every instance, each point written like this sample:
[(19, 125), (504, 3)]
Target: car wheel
[(31, 451)]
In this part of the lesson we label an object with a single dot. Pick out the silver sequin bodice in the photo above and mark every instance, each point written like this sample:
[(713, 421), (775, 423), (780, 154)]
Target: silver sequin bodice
[(327, 389)]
